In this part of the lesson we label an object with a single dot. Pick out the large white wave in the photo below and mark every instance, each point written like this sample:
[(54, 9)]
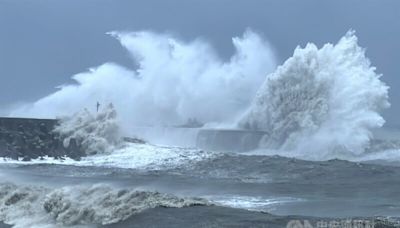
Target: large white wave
[(79, 206), (174, 81), (320, 102)]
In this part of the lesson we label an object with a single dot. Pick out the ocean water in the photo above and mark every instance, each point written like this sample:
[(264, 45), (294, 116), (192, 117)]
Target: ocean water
[(109, 189), (309, 145)]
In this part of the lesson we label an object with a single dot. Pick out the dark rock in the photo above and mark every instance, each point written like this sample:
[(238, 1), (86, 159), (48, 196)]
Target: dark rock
[(34, 138), (12, 154), (16, 197), (74, 151), (133, 140), (3, 149), (21, 128), (43, 128)]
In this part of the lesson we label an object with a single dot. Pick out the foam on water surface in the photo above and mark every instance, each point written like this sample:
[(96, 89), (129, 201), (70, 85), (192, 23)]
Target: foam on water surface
[(131, 156)]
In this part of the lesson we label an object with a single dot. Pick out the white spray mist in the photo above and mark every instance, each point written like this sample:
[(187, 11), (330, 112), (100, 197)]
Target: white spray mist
[(174, 81), (320, 102)]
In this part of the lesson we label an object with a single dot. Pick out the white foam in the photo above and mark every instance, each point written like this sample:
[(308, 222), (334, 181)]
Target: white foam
[(256, 203), (321, 103), (384, 155), (92, 133), (133, 156)]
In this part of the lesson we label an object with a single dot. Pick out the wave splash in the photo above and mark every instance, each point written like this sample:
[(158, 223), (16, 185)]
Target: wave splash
[(93, 133), (33, 206), (320, 102), (173, 81)]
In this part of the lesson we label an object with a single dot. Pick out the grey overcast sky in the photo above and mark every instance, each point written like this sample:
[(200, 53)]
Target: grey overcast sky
[(44, 42)]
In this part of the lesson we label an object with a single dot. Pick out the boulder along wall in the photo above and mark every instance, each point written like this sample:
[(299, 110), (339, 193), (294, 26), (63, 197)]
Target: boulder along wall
[(26, 139)]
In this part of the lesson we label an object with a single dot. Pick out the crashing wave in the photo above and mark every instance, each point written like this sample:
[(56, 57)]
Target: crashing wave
[(33, 206), (320, 101), (93, 133), (173, 81)]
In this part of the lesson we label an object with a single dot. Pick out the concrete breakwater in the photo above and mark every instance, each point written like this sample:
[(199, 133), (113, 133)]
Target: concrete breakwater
[(227, 140), (221, 140), (26, 139)]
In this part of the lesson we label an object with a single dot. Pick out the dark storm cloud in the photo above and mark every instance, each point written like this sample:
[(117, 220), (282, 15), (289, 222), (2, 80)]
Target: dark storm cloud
[(44, 42)]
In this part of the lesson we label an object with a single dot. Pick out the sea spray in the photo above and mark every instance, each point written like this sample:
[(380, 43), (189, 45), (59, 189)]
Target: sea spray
[(173, 81), (321, 102), (94, 134)]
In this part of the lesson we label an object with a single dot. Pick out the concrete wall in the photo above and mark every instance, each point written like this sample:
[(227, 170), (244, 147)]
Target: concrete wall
[(228, 140)]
